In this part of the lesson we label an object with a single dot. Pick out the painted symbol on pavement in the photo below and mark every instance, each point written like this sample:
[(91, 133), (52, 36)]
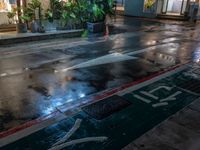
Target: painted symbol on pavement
[(194, 72), (62, 143), (161, 102)]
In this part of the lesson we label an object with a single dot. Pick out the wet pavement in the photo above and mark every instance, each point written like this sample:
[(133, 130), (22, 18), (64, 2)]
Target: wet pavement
[(38, 78)]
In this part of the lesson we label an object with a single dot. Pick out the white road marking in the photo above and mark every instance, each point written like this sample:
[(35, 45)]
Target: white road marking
[(143, 84), (142, 98), (149, 95), (115, 57), (3, 74), (160, 104), (110, 58), (78, 141), (70, 133), (193, 93), (60, 144), (171, 97), (161, 87)]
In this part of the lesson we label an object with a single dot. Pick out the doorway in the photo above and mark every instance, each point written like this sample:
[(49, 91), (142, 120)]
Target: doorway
[(120, 5), (174, 7)]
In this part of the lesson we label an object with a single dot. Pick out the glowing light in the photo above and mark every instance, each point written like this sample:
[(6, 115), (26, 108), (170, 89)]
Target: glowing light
[(196, 56), (151, 42), (70, 100), (81, 95), (58, 104), (26, 69), (48, 110)]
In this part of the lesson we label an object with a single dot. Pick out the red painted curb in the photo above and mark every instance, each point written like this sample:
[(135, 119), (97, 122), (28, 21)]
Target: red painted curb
[(100, 96), (27, 125)]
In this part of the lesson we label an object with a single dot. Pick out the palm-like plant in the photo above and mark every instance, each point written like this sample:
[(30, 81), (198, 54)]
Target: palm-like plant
[(96, 11), (13, 14), (68, 14), (30, 9), (109, 4)]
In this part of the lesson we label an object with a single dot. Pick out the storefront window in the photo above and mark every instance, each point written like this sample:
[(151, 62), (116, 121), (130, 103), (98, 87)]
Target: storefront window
[(149, 6)]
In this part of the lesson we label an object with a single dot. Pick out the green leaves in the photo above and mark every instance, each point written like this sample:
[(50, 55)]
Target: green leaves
[(25, 18), (11, 14), (65, 15), (79, 12), (72, 15), (97, 14), (29, 11), (49, 15), (110, 3)]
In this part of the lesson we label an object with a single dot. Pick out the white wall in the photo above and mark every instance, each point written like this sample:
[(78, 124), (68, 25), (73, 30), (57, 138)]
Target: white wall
[(3, 18), (3, 15), (170, 5), (159, 6)]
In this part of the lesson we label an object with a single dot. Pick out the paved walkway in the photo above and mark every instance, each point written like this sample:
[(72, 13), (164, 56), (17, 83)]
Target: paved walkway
[(179, 132), (102, 88)]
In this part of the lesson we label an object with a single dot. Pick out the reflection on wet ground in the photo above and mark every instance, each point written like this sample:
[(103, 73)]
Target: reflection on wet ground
[(35, 83)]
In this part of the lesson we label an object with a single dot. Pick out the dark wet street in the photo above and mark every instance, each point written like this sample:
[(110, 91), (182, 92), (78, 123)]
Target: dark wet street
[(38, 78)]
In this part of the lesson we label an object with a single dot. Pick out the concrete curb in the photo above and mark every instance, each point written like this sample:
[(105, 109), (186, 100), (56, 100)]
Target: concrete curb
[(40, 36)]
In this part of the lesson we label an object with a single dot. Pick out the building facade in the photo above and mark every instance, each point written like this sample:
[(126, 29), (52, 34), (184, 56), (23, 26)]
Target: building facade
[(139, 8), (154, 8)]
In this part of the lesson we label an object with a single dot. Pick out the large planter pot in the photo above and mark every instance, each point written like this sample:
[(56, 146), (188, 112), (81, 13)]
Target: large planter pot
[(49, 26), (80, 26), (95, 27), (68, 26), (21, 27), (63, 28), (34, 27)]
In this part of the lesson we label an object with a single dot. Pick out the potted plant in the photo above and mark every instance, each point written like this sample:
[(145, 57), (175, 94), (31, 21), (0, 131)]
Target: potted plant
[(68, 16), (11, 16), (49, 15), (108, 7), (96, 16), (53, 15), (19, 18), (33, 11)]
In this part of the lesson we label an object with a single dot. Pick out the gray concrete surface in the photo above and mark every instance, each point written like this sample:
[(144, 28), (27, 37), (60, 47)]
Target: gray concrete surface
[(180, 132)]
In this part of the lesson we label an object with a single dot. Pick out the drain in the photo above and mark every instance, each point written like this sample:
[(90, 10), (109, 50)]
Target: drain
[(106, 107)]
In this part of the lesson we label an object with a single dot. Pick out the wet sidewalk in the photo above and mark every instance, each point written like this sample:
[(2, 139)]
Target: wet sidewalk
[(106, 81)]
